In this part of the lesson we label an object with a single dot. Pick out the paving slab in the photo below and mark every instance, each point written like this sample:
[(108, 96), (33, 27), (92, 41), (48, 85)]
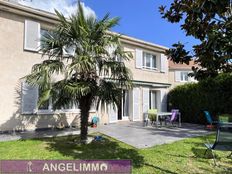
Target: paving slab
[(12, 136), (135, 134), (132, 133)]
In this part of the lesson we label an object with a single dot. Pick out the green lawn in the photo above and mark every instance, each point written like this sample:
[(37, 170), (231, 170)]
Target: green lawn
[(184, 156)]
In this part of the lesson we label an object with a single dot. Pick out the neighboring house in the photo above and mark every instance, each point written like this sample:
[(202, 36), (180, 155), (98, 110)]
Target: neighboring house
[(178, 73), (20, 31)]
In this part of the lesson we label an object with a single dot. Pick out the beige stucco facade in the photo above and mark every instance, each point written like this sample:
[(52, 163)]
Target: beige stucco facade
[(16, 62), (145, 74), (174, 74), (172, 79)]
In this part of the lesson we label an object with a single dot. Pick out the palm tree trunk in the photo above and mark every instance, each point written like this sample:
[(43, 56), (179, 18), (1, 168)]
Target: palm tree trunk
[(85, 104)]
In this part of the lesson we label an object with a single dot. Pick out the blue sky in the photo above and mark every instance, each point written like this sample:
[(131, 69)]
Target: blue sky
[(139, 18)]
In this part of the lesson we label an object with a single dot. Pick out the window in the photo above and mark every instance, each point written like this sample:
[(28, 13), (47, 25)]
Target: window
[(31, 35), (149, 61), (46, 106), (30, 95), (152, 100), (184, 76), (43, 32)]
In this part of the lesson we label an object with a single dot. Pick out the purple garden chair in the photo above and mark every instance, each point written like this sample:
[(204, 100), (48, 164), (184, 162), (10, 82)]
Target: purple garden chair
[(173, 118)]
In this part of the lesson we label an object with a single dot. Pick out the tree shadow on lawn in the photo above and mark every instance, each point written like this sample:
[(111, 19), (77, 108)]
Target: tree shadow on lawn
[(222, 161), (106, 149), (158, 168)]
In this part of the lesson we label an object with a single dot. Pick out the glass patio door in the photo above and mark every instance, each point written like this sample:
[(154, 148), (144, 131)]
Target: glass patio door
[(125, 104)]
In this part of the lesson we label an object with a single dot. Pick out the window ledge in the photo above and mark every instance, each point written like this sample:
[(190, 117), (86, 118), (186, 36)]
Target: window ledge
[(51, 112), (150, 70)]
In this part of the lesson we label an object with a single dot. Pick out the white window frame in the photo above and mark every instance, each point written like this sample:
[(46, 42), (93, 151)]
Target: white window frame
[(182, 79), (144, 61)]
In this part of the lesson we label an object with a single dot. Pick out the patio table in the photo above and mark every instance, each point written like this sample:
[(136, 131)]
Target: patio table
[(164, 114)]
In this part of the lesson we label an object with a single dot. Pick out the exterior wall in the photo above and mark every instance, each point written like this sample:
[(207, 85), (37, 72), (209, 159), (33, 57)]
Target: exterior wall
[(159, 102), (17, 63), (172, 79), (145, 74)]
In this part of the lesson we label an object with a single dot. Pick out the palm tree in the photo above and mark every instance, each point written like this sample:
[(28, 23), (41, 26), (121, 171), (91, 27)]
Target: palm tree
[(83, 52)]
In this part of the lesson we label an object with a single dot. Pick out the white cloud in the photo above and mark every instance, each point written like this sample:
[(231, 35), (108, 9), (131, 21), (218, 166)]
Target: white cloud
[(66, 7)]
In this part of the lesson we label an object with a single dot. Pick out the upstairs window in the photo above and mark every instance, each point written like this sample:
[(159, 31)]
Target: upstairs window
[(184, 76), (43, 33), (149, 61)]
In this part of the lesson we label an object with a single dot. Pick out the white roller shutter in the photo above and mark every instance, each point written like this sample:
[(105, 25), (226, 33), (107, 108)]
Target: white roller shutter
[(32, 35), (145, 100), (138, 58), (136, 104), (163, 63), (29, 98), (113, 113), (177, 76), (163, 95)]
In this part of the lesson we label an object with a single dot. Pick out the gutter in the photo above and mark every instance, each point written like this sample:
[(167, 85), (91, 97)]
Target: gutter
[(152, 84)]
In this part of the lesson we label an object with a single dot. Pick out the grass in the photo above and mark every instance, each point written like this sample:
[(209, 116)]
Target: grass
[(186, 156)]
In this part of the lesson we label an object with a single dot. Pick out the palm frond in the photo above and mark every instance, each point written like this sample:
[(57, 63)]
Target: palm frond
[(89, 40), (108, 92)]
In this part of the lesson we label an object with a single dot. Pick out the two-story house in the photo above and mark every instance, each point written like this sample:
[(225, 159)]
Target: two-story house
[(20, 31)]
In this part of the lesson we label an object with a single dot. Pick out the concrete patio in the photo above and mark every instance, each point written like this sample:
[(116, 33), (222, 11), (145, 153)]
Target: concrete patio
[(132, 133)]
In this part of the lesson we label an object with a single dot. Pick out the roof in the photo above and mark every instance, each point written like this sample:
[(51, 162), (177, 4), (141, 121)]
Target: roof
[(173, 66), (53, 19)]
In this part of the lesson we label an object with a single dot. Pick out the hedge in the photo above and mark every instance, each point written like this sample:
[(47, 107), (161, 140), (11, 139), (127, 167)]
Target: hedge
[(213, 95)]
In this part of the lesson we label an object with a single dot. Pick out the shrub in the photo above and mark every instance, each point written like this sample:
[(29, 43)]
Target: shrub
[(214, 95)]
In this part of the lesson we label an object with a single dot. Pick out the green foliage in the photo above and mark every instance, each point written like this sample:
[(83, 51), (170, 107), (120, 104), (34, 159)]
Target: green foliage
[(182, 157), (209, 21), (225, 118), (77, 50), (213, 95)]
